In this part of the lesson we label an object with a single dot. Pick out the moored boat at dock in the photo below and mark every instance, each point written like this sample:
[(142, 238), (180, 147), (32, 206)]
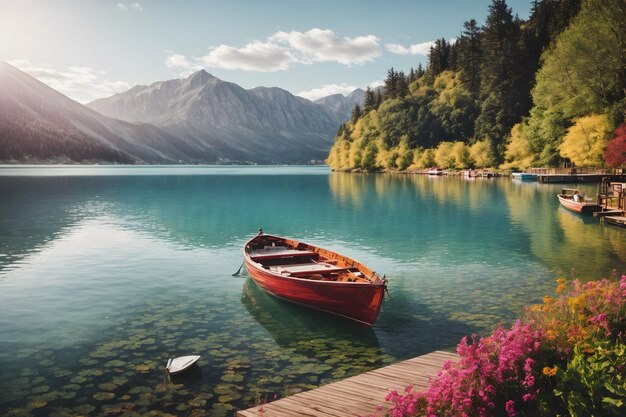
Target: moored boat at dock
[(314, 277), (524, 176), (572, 199)]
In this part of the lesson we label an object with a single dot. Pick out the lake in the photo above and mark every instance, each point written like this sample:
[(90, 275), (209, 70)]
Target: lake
[(106, 272)]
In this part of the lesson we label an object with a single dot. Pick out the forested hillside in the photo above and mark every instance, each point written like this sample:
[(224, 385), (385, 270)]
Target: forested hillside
[(511, 94)]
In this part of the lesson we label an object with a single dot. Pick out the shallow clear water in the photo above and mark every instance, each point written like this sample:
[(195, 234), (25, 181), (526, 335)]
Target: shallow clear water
[(106, 272)]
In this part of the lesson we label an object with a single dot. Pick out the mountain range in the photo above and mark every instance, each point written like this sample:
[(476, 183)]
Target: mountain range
[(199, 119)]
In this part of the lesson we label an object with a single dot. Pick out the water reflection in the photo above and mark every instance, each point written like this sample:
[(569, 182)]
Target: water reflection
[(294, 326), (567, 242), (471, 219)]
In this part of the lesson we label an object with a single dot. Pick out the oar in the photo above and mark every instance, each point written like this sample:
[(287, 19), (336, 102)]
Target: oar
[(239, 270)]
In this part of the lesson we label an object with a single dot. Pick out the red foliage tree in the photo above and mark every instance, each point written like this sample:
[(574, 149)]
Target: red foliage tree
[(615, 154)]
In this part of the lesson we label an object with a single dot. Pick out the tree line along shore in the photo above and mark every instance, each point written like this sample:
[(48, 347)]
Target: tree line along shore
[(512, 94)]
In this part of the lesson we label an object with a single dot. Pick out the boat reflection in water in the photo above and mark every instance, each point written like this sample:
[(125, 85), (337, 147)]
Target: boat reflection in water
[(304, 329)]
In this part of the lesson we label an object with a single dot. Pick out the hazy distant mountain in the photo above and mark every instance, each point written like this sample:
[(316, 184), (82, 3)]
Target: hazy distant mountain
[(342, 105), (38, 123), (264, 125), (200, 119)]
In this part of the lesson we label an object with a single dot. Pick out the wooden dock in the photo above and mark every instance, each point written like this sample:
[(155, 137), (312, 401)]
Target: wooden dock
[(358, 395)]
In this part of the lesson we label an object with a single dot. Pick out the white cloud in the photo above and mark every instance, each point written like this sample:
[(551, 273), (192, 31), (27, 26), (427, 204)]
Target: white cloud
[(415, 49), (136, 7), (82, 84), (327, 90), (181, 62), (397, 49), (324, 45), (376, 84), (255, 56), (282, 50)]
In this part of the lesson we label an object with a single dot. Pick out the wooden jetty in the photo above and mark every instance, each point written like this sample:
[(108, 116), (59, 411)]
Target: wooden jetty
[(358, 395), (612, 201), (580, 174)]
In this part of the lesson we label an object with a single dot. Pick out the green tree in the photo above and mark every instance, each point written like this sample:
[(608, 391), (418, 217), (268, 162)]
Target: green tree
[(439, 57), (502, 93), (356, 113), (584, 72), (469, 55), (369, 101)]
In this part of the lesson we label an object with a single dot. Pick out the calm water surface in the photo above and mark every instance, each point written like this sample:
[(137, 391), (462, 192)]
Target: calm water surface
[(106, 272)]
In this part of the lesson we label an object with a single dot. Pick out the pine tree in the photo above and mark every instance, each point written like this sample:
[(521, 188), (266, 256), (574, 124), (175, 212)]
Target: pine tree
[(402, 85), (500, 88), (369, 101), (391, 84), (470, 54), (439, 57), (420, 70), (356, 113)]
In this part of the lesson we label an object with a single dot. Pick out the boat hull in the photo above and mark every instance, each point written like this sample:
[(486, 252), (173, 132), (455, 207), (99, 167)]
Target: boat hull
[(353, 300), (582, 208), (359, 301)]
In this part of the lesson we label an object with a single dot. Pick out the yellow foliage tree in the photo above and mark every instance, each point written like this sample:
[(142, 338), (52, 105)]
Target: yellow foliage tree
[(423, 159), (585, 142), (518, 153), (444, 157), (481, 154), (461, 155)]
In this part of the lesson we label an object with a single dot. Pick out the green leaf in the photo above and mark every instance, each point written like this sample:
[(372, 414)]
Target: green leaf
[(614, 402)]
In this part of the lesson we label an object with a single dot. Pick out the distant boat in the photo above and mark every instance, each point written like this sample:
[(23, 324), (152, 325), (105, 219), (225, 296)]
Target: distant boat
[(177, 365), (435, 171), (524, 176), (572, 199), (314, 277)]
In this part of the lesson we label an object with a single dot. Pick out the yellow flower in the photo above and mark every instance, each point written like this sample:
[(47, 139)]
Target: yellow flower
[(549, 371), (547, 299)]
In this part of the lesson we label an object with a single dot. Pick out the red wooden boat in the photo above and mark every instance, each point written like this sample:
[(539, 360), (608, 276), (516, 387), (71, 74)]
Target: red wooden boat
[(314, 277), (574, 200)]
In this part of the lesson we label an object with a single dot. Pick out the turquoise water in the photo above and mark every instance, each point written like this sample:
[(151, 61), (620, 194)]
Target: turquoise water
[(106, 272)]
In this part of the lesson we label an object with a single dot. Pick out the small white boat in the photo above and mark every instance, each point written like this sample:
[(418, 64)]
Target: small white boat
[(524, 176), (181, 363)]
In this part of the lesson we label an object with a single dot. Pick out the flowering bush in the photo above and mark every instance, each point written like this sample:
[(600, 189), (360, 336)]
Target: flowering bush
[(565, 356)]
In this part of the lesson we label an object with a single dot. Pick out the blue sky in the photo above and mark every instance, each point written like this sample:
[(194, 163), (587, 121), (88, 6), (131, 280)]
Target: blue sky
[(93, 48)]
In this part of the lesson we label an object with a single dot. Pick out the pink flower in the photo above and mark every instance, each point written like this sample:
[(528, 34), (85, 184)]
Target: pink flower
[(510, 408)]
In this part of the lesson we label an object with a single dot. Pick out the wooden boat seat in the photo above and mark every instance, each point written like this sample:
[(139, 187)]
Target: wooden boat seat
[(306, 269), (279, 252)]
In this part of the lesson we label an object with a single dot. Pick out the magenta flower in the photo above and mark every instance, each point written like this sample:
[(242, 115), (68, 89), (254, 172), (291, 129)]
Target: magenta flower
[(510, 408)]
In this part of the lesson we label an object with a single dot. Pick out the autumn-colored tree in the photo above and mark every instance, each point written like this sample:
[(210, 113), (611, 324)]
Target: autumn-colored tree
[(444, 156), (461, 155), (423, 159), (585, 142), (615, 154), (482, 155), (518, 151)]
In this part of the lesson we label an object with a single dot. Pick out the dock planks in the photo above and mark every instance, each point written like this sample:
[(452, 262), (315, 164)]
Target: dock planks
[(357, 395)]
